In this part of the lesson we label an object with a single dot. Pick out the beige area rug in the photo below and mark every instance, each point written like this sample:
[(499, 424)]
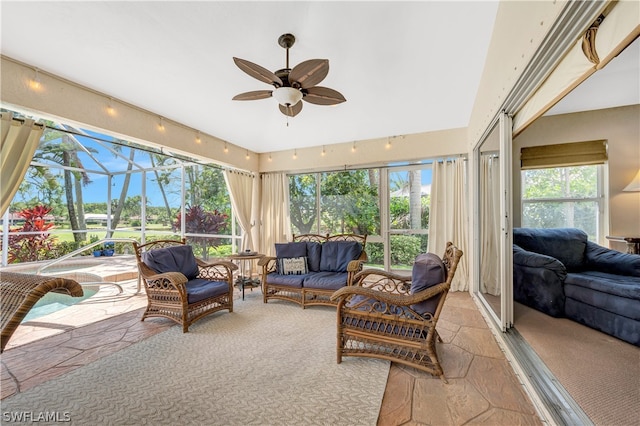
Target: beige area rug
[(263, 364), (601, 373)]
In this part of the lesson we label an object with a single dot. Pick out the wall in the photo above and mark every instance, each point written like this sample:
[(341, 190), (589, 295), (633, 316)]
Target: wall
[(402, 149), (519, 29), (619, 126), (67, 102)]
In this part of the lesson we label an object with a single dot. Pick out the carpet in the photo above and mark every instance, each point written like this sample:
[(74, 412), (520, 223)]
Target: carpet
[(263, 364), (600, 372)]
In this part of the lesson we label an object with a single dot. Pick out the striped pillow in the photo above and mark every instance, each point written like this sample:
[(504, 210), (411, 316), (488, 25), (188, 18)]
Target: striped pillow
[(293, 265)]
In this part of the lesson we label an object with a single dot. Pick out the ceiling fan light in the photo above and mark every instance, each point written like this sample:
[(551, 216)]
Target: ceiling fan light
[(287, 96)]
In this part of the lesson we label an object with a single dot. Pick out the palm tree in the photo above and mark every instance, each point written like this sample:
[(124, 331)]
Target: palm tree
[(63, 149)]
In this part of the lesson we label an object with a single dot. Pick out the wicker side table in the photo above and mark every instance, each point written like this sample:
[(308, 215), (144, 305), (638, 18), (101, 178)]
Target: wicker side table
[(19, 292)]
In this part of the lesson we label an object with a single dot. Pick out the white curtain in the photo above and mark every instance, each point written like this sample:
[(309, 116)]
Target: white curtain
[(19, 142), (448, 215), (490, 225), (276, 225), (240, 186)]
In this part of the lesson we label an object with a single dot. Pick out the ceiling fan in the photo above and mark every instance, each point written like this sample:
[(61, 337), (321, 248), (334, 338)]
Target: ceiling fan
[(291, 84)]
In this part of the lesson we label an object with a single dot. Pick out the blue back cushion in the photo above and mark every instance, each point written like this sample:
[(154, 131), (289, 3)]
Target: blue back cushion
[(336, 255), (314, 251), (428, 270), (568, 245), (172, 259), (291, 249)]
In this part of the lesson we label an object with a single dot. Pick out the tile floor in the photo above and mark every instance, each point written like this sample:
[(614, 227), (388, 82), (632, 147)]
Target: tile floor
[(482, 387)]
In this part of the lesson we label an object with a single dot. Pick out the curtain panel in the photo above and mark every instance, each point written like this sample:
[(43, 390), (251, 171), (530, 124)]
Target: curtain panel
[(276, 225), (490, 225), (240, 186), (448, 215), (20, 139)]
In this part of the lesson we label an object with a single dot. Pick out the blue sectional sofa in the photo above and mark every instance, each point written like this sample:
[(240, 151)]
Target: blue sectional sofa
[(312, 267), (559, 272)]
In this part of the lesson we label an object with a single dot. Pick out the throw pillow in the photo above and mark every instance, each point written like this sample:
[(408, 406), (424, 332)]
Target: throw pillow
[(428, 270), (298, 249), (336, 255), (314, 251), (178, 258), (292, 265)]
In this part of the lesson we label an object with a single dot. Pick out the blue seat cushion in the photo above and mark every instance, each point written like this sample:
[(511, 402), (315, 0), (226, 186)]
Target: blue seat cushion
[(172, 259), (336, 255), (199, 289), (294, 281), (428, 270), (314, 251), (618, 294), (326, 280)]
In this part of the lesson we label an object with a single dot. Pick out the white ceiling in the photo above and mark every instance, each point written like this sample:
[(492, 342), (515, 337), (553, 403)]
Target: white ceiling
[(404, 67)]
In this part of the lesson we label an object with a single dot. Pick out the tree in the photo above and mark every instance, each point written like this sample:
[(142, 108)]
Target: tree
[(200, 221), (123, 192), (303, 205), (63, 149), (350, 202)]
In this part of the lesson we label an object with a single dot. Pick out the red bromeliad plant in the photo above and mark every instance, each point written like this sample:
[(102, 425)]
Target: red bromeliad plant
[(200, 221), (27, 247)]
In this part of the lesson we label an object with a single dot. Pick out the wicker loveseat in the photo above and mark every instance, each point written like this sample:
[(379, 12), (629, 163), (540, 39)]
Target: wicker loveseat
[(318, 266), (393, 317), (180, 286)]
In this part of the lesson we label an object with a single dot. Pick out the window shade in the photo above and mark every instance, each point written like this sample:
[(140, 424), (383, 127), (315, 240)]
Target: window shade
[(563, 155)]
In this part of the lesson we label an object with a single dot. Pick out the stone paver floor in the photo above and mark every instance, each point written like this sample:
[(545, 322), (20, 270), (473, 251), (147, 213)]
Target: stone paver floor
[(482, 387)]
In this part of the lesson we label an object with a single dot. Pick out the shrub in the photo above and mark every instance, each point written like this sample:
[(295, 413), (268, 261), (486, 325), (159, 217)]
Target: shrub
[(36, 246)]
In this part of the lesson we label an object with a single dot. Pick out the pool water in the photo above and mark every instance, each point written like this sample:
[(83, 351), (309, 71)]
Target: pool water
[(53, 302)]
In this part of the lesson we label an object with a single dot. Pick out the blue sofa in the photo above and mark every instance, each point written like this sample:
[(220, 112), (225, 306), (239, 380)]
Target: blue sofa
[(559, 272)]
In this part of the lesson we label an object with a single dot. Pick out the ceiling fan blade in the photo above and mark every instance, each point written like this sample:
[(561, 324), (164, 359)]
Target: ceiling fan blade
[(323, 96), (258, 72), (291, 111), (309, 73), (252, 96)]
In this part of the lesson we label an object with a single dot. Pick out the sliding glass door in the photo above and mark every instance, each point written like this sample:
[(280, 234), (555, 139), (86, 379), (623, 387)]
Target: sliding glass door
[(492, 201)]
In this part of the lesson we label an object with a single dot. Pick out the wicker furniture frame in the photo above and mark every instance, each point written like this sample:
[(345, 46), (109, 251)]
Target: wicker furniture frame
[(167, 294), (19, 292), (309, 296), (383, 325)]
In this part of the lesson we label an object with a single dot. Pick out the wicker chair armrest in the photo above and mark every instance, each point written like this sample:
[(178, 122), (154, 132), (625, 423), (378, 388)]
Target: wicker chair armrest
[(264, 261), (390, 298), (355, 265), (174, 279), (215, 269), (381, 280)]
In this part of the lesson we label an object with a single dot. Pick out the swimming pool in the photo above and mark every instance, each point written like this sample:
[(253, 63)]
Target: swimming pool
[(54, 302)]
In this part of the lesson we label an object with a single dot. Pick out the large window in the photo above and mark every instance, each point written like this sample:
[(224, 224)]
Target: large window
[(564, 197), (335, 202), (83, 186), (389, 205)]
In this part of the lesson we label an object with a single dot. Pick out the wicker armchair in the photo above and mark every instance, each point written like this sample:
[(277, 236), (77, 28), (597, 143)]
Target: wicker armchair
[(380, 317), (184, 288)]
